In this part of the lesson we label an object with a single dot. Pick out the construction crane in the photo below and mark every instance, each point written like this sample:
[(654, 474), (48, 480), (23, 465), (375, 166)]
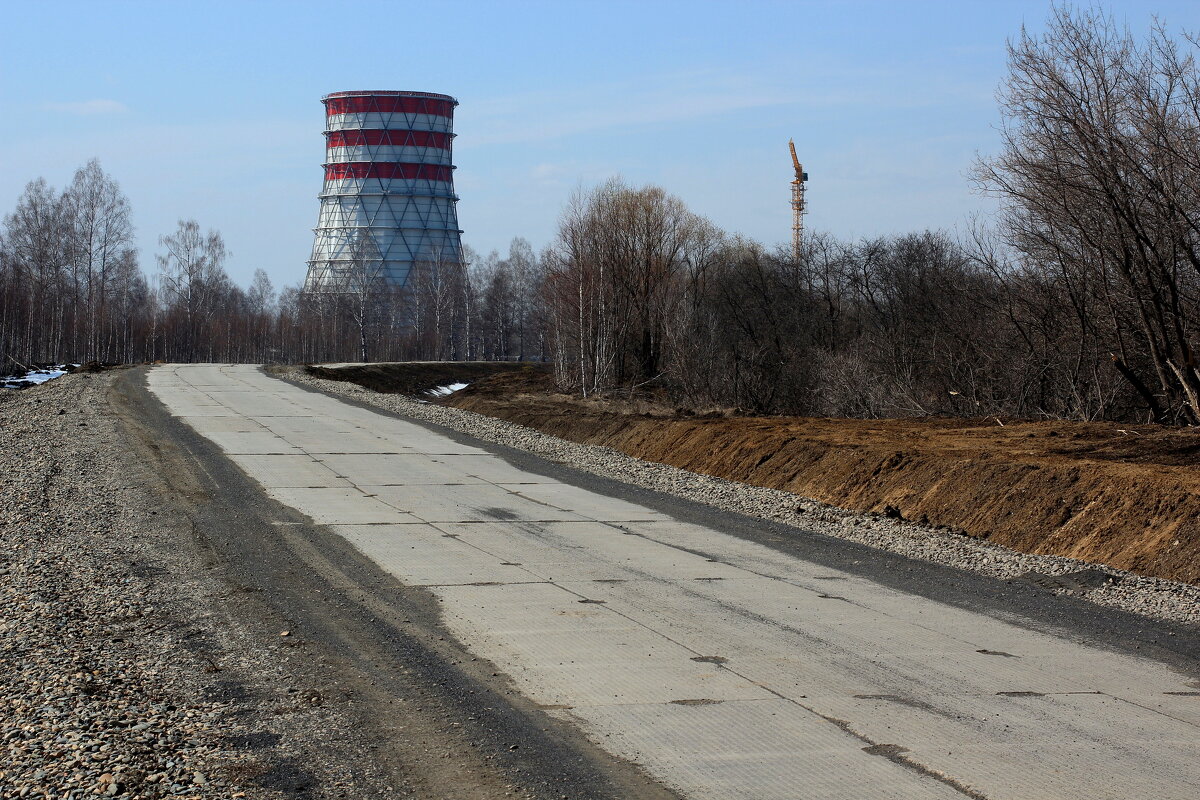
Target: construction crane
[(797, 202)]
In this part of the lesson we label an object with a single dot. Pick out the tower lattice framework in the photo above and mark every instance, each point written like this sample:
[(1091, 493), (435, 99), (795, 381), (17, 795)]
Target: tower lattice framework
[(388, 196)]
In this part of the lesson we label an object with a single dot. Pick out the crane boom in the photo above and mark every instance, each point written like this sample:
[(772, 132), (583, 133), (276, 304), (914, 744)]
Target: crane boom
[(796, 161)]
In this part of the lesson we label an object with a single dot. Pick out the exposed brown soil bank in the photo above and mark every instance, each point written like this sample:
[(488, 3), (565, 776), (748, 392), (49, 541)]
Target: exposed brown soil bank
[(1127, 496)]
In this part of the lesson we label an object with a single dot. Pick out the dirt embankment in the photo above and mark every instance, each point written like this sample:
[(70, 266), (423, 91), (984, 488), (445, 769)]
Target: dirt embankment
[(1127, 496)]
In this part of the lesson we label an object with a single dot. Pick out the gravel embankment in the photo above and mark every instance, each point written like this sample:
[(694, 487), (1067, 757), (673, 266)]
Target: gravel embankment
[(1103, 585), (94, 698), (123, 671)]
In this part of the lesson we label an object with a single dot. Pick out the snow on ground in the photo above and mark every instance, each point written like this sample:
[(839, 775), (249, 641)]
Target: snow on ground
[(36, 376), (448, 389)]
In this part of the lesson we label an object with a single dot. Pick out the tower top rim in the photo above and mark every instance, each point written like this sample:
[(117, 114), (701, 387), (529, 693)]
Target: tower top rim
[(384, 93)]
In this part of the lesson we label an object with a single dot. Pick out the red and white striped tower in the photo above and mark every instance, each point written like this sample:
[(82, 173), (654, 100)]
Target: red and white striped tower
[(389, 188)]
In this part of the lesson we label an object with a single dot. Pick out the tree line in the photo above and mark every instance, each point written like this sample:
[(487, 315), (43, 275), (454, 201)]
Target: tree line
[(1078, 300), (72, 290)]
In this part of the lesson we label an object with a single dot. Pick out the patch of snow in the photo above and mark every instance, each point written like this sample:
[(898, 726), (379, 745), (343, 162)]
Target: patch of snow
[(447, 390), (35, 377)]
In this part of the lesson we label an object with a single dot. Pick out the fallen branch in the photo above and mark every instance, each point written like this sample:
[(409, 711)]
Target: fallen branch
[(25, 367)]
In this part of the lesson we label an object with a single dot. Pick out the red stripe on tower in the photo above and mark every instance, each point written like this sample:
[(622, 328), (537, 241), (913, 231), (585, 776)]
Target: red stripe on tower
[(389, 105), (358, 138), (372, 169)]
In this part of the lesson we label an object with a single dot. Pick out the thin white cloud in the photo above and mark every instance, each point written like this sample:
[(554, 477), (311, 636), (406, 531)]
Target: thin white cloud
[(88, 107), (686, 96), (536, 116), (565, 174)]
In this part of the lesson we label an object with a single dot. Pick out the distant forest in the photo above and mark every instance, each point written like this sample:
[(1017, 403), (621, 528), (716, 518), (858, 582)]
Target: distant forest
[(1079, 300)]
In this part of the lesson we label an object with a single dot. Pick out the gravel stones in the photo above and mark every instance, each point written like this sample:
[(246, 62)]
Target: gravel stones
[(1120, 589), (96, 698)]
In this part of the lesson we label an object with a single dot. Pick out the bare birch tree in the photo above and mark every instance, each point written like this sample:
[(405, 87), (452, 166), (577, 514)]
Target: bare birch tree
[(192, 276), (101, 240)]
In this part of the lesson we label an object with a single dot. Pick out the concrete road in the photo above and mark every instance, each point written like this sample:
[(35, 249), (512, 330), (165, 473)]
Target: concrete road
[(724, 667)]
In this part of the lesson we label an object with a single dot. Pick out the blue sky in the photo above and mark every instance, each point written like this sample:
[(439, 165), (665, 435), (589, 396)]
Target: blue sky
[(211, 110)]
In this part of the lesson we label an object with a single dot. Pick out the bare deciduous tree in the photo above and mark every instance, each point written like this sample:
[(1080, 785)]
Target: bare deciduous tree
[(616, 279), (192, 275), (1099, 173), (102, 253)]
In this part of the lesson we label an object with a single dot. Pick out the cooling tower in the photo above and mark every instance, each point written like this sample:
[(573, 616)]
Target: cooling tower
[(388, 173)]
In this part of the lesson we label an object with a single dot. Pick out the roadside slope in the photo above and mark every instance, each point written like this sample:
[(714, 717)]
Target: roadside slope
[(1126, 496)]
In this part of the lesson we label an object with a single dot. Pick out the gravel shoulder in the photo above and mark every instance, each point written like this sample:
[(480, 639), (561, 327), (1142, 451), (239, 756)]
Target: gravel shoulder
[(102, 687), (1152, 598)]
